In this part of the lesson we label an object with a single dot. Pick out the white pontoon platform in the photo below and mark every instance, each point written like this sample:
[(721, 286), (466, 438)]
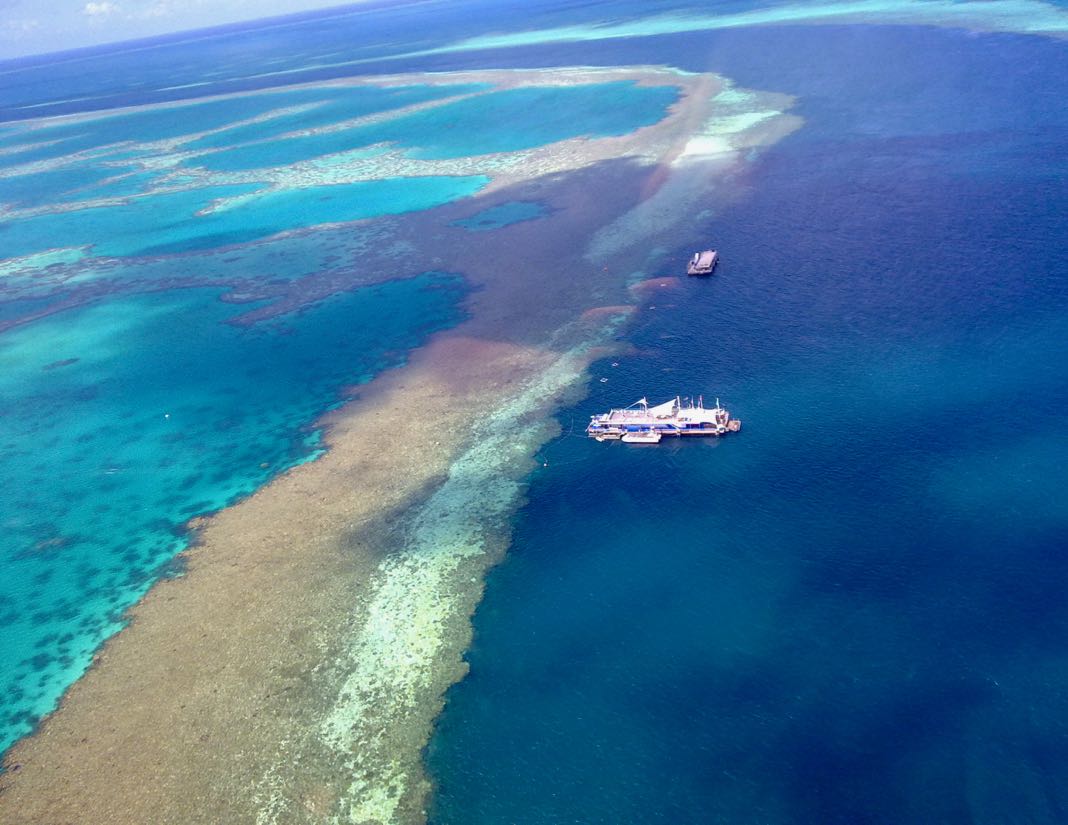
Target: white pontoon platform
[(702, 263), (639, 422)]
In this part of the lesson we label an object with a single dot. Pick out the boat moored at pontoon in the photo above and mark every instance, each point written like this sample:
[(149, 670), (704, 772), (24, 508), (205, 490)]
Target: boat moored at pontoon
[(641, 437), (641, 424)]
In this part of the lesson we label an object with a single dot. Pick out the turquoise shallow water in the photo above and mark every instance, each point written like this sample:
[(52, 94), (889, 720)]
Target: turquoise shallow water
[(58, 185), (149, 124), (344, 104), (168, 223), (135, 183), (124, 419), (504, 121)]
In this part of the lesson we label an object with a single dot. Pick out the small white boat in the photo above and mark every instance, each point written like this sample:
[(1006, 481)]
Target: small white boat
[(643, 437)]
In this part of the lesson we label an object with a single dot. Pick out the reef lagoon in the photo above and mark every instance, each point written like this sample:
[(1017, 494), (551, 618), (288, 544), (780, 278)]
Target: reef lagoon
[(299, 336)]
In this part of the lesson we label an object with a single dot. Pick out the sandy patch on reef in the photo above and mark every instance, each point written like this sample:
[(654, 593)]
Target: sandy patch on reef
[(294, 673)]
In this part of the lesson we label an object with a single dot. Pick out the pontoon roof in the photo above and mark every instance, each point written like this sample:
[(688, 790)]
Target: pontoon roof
[(667, 408)]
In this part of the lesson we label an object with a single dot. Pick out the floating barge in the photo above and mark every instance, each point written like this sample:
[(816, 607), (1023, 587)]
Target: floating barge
[(641, 424), (702, 263)]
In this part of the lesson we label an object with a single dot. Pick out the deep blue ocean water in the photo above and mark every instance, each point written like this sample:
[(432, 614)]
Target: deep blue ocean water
[(853, 611)]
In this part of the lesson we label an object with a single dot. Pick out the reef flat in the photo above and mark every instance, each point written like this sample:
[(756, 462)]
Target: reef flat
[(176, 193), (292, 674)]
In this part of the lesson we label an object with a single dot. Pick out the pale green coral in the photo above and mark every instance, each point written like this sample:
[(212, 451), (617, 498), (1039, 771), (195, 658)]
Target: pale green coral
[(741, 122), (403, 637)]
